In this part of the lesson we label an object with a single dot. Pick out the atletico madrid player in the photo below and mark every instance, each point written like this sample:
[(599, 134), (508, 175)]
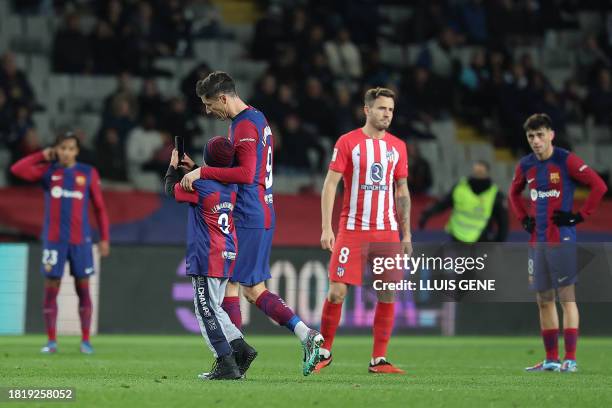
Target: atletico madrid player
[(374, 167), (69, 188), (551, 174)]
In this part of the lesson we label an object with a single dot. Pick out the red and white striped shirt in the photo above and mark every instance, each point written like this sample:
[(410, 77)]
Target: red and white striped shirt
[(369, 168)]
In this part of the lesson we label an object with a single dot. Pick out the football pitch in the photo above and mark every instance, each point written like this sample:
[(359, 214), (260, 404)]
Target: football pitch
[(160, 371)]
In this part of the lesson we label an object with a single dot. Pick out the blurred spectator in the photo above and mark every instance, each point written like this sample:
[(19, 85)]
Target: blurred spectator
[(21, 123), (159, 162), (288, 101), (343, 56), (6, 118), (114, 15), (15, 84), (420, 180), (71, 48), (474, 82), (343, 119), (315, 109), (188, 84), (314, 43), (142, 143), (375, 72), (439, 56), (590, 57), (265, 98), (111, 155), (285, 66), (297, 143), (503, 19), (123, 90), (599, 100), (474, 21), (28, 143), (86, 154), (571, 99), (296, 26), (429, 18), (205, 18), (144, 40), (105, 49), (178, 122), (121, 118), (423, 97), (150, 100), (268, 35), (176, 27), (318, 68)]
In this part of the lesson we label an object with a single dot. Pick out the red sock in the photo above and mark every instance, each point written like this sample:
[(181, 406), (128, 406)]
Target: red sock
[(231, 305), (50, 311), (384, 315), (85, 307), (330, 319), (570, 337), (551, 345), (276, 308)]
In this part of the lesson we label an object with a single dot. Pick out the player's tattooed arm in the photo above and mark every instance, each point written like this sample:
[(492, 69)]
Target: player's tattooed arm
[(403, 211)]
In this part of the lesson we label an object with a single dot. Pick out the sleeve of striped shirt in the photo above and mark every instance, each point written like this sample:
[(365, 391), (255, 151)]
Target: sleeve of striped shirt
[(31, 167), (182, 196), (243, 172), (340, 156), (99, 207), (582, 173), (516, 193), (402, 162)]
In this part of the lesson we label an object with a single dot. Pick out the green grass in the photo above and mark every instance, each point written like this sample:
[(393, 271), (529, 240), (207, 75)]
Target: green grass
[(160, 371)]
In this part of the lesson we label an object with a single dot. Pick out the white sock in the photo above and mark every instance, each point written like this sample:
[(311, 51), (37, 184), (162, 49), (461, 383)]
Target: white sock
[(377, 360), (325, 353), (301, 330)]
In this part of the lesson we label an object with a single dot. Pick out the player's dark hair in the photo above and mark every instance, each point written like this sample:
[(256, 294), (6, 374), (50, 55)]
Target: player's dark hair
[(217, 82), (537, 121), (67, 135), (372, 94)]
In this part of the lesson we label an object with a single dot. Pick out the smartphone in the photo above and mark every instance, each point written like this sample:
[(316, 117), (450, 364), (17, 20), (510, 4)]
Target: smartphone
[(180, 146)]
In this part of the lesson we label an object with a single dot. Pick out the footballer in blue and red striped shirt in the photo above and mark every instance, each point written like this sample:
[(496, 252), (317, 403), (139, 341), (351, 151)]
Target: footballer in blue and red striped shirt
[(254, 215), (211, 254), (69, 187), (551, 174)]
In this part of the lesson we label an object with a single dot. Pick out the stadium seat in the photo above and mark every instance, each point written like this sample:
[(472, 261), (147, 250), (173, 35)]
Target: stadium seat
[(205, 49), (479, 151), (43, 126), (603, 153), (393, 55), (13, 29), (598, 134), (575, 133), (586, 151), (170, 64), (38, 33), (590, 21), (90, 123)]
